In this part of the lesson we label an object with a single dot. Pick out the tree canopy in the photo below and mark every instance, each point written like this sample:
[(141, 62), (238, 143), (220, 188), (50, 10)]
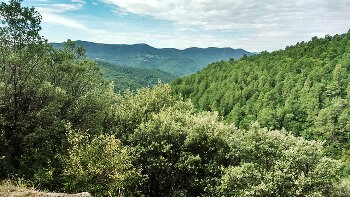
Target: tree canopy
[(63, 128), (304, 89)]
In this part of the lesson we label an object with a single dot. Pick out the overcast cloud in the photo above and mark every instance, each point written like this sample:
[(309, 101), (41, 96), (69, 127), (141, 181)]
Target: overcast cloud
[(254, 25), (283, 21)]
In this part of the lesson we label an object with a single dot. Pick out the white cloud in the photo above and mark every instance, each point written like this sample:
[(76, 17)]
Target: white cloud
[(78, 1), (54, 13), (272, 23), (43, 1), (49, 17), (231, 14), (62, 7)]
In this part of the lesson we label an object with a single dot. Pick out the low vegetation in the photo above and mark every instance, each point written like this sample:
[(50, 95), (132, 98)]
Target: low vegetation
[(19, 189)]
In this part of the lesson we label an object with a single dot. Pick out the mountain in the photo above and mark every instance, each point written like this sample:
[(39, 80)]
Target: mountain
[(304, 89), (174, 61), (133, 78)]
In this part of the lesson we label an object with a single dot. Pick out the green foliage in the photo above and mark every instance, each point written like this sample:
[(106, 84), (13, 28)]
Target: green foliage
[(128, 78), (274, 163), (343, 188), (100, 165), (139, 107), (63, 128), (20, 25), (182, 152), (42, 90), (304, 89)]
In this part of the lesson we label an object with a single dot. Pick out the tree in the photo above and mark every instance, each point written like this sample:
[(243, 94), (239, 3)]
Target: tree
[(21, 25), (19, 40), (42, 90)]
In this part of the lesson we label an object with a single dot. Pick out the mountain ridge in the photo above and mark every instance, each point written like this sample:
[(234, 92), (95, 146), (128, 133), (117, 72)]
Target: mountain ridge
[(178, 62), (145, 44)]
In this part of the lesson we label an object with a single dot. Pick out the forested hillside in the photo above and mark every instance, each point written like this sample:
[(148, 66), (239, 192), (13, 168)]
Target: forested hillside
[(173, 61), (63, 128), (304, 89), (128, 78)]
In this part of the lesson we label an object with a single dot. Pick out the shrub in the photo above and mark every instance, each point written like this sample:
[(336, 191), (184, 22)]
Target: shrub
[(100, 165)]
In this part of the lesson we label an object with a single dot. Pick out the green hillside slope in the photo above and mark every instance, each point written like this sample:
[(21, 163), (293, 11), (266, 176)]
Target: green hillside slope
[(63, 129), (174, 61), (133, 78), (304, 89)]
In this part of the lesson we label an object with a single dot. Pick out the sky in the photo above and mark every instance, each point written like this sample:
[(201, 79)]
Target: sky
[(253, 25)]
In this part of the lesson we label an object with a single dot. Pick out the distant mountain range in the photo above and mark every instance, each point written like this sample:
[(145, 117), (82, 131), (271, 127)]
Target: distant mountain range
[(174, 61)]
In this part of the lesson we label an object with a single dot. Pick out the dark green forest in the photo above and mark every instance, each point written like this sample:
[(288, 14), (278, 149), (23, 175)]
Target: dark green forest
[(128, 78), (63, 127), (304, 89)]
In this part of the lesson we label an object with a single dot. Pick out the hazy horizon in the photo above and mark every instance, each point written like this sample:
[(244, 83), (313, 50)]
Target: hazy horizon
[(250, 25), (149, 45)]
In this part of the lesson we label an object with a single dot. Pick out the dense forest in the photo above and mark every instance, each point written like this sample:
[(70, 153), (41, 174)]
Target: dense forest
[(128, 78), (174, 61), (64, 128), (304, 89)]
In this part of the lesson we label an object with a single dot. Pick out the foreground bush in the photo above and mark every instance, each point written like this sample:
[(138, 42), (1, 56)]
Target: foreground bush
[(274, 163), (185, 153), (100, 165)]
